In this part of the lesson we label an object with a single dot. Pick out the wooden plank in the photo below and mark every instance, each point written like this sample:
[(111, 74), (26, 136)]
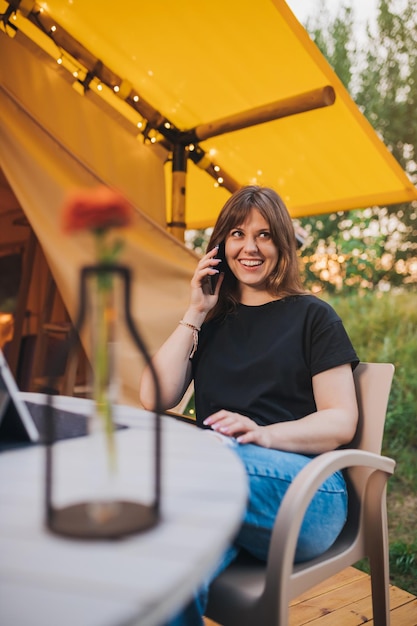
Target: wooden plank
[(357, 612), (327, 603), (346, 576), (405, 615), (345, 599)]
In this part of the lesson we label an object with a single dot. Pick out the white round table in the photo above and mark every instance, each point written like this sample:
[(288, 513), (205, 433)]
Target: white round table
[(46, 580)]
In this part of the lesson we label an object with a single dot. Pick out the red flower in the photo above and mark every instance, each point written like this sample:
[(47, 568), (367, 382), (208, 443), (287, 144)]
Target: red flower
[(96, 209)]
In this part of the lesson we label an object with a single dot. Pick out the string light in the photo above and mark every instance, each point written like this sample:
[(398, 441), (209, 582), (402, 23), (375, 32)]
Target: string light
[(123, 89)]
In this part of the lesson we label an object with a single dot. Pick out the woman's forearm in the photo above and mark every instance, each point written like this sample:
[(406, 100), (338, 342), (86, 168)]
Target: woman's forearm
[(172, 365), (316, 433), (330, 426), (172, 361)]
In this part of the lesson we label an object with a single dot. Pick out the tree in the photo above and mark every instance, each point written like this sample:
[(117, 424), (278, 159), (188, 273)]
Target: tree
[(375, 248)]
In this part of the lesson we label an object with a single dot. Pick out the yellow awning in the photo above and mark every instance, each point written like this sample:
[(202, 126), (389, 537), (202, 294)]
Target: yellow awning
[(196, 62)]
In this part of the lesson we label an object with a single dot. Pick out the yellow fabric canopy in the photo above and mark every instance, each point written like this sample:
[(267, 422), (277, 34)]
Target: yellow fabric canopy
[(198, 62), (188, 65)]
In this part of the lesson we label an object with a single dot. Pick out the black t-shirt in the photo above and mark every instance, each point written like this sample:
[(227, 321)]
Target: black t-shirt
[(259, 361)]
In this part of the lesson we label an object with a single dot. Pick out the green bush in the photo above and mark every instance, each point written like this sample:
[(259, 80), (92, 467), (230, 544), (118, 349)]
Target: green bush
[(383, 327)]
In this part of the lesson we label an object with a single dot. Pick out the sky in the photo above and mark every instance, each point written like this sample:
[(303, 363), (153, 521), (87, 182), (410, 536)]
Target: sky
[(364, 10)]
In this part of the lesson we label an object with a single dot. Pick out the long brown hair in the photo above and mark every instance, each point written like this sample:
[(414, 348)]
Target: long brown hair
[(285, 278)]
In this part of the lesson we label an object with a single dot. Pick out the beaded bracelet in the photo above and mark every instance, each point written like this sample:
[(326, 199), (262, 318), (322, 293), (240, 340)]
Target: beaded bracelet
[(195, 330)]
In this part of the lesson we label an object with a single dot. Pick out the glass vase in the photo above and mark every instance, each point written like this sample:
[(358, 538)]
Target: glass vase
[(104, 307)]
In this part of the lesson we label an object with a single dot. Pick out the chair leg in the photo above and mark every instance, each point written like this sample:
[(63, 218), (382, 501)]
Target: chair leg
[(378, 548)]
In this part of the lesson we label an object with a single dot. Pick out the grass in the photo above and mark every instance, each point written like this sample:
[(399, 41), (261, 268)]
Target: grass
[(383, 327)]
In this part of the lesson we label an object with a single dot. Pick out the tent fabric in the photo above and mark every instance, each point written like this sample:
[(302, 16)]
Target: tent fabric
[(194, 65), (200, 63), (43, 157)]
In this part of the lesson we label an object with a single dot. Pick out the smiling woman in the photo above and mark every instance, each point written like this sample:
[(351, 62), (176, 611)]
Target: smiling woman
[(272, 372)]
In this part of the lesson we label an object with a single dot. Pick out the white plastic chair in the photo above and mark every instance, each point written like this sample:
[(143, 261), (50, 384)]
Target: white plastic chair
[(251, 593)]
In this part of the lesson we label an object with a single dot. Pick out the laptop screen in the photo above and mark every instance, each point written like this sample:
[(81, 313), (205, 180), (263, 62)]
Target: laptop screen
[(16, 423)]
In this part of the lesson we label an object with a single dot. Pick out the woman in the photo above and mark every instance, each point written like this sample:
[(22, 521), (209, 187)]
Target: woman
[(272, 368)]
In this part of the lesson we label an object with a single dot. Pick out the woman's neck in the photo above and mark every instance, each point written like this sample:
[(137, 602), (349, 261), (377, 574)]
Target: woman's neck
[(253, 297)]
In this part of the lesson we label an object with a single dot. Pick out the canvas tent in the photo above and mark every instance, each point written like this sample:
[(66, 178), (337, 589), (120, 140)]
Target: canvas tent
[(190, 70)]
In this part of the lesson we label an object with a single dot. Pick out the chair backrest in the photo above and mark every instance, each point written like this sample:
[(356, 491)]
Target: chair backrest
[(373, 384)]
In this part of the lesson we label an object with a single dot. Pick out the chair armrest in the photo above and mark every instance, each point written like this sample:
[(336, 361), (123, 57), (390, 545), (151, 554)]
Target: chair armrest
[(300, 493)]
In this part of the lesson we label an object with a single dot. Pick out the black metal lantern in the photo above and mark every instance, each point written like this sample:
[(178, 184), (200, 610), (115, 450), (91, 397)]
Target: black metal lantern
[(119, 517)]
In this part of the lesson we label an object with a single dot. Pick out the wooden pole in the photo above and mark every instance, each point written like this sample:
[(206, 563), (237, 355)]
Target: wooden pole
[(308, 101), (22, 301), (179, 172)]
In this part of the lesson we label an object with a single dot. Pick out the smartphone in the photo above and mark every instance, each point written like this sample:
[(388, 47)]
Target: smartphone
[(220, 266)]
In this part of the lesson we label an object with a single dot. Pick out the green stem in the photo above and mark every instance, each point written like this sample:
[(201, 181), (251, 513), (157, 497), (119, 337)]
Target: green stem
[(103, 362)]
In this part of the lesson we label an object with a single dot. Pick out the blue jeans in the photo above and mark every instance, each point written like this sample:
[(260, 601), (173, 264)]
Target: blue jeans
[(270, 473)]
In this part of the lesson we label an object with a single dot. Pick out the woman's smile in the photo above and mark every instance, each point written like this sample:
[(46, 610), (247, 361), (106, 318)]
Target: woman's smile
[(250, 263)]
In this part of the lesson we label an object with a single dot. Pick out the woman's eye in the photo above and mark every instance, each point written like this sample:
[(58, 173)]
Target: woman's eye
[(265, 235), (236, 233)]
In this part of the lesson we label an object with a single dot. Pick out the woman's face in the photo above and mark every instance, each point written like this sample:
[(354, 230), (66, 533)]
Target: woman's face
[(251, 254)]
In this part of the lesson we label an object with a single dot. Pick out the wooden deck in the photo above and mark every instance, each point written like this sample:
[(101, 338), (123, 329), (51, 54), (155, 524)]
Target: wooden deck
[(345, 600)]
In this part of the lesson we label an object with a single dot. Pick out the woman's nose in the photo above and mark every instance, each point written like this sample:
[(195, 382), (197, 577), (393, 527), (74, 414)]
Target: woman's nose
[(250, 244)]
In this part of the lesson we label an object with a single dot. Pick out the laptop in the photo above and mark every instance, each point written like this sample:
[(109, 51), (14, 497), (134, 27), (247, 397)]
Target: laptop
[(24, 422)]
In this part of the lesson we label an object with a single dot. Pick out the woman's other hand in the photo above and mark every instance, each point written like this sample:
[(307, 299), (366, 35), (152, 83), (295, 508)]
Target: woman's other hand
[(242, 428)]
